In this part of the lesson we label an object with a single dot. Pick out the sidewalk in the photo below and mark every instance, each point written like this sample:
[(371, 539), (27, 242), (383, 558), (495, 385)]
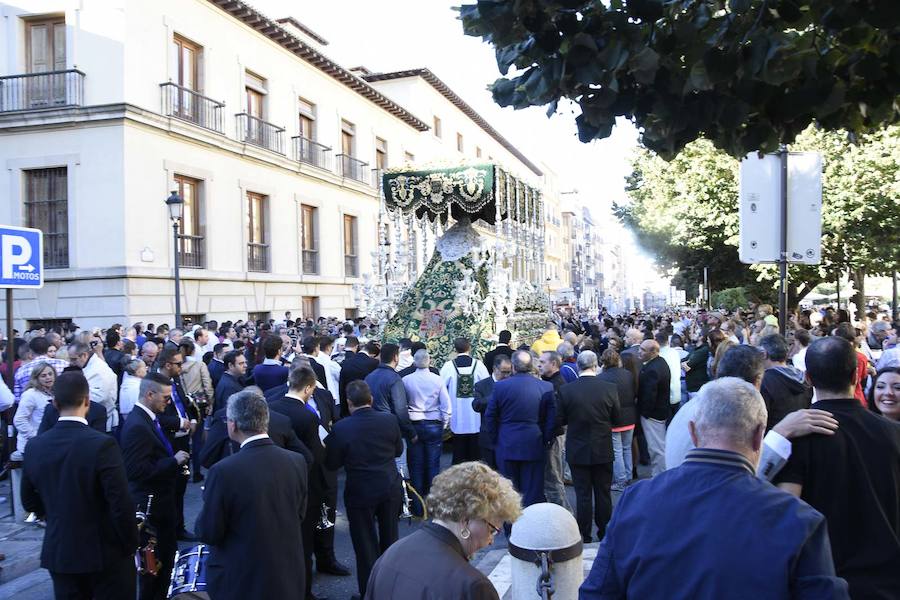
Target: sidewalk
[(20, 542)]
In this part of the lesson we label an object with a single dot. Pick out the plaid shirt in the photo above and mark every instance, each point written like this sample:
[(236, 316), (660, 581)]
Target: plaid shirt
[(23, 373)]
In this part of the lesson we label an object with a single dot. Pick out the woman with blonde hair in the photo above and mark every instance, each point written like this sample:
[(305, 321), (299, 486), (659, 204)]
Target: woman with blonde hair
[(721, 349), (37, 395), (468, 505)]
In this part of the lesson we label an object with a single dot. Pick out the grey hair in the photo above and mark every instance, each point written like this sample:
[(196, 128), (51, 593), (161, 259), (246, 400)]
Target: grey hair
[(299, 362), (729, 409), (421, 358), (133, 365), (249, 412), (148, 345), (566, 350), (587, 360), (522, 361)]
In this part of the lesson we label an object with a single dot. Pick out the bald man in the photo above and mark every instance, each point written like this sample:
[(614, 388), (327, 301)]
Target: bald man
[(653, 402)]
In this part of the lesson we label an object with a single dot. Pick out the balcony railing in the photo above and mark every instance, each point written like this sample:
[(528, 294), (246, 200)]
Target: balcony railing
[(190, 251), (258, 257), (310, 152), (35, 91), (311, 262), (351, 266), (376, 178), (353, 168), (187, 105), (260, 133)]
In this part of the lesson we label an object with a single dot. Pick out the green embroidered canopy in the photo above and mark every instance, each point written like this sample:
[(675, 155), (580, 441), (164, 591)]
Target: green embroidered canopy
[(477, 191)]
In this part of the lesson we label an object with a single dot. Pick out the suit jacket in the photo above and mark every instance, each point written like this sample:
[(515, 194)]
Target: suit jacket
[(493, 354), (318, 369), (623, 379), (254, 501), (267, 376), (170, 420), (96, 417), (218, 446), (75, 477), (355, 367), (151, 468), (216, 368), (305, 424), (589, 406), (520, 417), (653, 390), (366, 444), (227, 386), (483, 390)]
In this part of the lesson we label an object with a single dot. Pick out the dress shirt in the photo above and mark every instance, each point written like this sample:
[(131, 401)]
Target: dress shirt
[(427, 397), (146, 410), (253, 438), (81, 420)]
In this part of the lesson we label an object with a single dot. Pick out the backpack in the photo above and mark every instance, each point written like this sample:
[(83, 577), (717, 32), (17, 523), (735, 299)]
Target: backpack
[(465, 382)]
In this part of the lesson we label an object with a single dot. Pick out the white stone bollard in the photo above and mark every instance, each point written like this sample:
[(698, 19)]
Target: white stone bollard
[(15, 478), (548, 531)]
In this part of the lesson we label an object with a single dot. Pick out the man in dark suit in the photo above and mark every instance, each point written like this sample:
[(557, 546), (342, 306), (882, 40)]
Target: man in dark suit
[(217, 364), (483, 389), (231, 381), (549, 367), (589, 406), (653, 403), (271, 372), (366, 444), (179, 420), (74, 478), (520, 419), (310, 348), (253, 503), (153, 466), (502, 349), (96, 417), (219, 446), (355, 367)]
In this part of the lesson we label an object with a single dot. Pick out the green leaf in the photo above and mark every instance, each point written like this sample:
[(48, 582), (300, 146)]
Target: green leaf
[(739, 7), (699, 78), (644, 65)]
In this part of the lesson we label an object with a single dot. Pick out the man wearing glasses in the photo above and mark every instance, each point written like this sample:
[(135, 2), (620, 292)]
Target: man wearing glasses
[(153, 467), (179, 421)]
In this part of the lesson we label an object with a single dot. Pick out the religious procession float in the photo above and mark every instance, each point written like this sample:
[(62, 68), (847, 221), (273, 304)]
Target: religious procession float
[(483, 228)]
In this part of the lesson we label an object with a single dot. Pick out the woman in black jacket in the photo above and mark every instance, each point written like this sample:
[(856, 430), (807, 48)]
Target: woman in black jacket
[(625, 381), (468, 503)]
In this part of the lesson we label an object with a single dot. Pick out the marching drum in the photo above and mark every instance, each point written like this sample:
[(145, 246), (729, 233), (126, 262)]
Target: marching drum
[(189, 574)]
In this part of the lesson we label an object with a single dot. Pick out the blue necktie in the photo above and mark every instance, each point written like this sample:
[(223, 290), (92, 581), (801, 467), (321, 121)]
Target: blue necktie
[(177, 400), (163, 437), (312, 409)]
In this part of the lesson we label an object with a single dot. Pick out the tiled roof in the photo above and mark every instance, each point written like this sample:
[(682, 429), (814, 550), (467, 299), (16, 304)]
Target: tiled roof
[(461, 104)]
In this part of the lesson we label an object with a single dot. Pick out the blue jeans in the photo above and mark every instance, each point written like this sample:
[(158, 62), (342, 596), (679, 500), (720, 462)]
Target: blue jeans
[(621, 458), (424, 457)]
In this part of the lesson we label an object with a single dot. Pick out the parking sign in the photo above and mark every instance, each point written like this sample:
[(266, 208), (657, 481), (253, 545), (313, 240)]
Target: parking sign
[(21, 257)]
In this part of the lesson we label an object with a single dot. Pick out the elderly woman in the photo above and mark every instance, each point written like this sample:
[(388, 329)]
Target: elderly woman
[(129, 391), (884, 397), (37, 395), (469, 502)]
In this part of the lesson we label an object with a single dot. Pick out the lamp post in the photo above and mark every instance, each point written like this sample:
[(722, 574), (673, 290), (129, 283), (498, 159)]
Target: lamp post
[(175, 204)]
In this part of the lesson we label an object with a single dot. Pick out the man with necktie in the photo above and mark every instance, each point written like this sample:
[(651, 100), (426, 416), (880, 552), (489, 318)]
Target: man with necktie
[(153, 466)]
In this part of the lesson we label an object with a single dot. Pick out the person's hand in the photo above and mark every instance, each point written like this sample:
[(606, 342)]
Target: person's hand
[(181, 457), (414, 440), (185, 424), (806, 421), (193, 426)]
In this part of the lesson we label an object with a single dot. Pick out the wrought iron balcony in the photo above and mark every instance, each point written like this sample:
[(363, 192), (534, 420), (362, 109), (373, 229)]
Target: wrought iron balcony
[(353, 168), (37, 91), (190, 251), (258, 257), (310, 152), (188, 105), (310, 262), (260, 133)]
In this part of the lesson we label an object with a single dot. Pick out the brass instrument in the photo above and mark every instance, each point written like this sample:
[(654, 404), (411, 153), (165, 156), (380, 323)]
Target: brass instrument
[(145, 558), (324, 522)]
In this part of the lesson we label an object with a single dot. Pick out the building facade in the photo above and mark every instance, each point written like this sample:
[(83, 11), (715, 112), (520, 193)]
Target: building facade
[(107, 106)]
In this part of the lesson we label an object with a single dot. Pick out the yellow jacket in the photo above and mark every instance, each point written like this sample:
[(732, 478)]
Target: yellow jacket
[(548, 342)]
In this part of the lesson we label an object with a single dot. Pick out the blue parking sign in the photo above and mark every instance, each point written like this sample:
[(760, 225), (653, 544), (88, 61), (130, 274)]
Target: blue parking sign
[(21, 257)]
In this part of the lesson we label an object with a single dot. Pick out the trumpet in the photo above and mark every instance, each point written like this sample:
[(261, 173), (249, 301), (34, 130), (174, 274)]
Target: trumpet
[(324, 522), (405, 512), (145, 560)]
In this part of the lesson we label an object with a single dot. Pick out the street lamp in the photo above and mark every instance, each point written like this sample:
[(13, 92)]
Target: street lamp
[(175, 204)]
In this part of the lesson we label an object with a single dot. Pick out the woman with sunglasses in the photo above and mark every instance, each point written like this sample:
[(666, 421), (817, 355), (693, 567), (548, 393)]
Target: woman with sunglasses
[(468, 505)]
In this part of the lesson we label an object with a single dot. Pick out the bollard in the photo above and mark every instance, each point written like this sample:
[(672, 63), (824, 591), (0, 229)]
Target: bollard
[(545, 553), (15, 479)]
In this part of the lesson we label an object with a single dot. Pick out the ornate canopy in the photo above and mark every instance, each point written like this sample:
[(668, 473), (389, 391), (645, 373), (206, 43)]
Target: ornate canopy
[(477, 191)]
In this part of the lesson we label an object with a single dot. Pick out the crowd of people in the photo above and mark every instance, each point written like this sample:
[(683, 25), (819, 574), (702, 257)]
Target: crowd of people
[(691, 419)]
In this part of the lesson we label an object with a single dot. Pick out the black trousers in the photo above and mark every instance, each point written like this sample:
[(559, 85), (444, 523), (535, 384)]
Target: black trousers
[(308, 533), (324, 539), (371, 539), (489, 457), (592, 497), (465, 448), (156, 588), (118, 581)]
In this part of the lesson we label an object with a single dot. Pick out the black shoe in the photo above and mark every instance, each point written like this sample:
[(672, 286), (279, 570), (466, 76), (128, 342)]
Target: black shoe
[(333, 567), (355, 597), (186, 536), (587, 540), (198, 477), (314, 597)]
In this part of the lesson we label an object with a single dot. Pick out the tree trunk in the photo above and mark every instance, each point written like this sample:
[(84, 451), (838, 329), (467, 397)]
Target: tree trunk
[(858, 275)]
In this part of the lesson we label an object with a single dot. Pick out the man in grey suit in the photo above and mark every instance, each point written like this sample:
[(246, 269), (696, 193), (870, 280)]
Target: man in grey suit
[(502, 368), (748, 363)]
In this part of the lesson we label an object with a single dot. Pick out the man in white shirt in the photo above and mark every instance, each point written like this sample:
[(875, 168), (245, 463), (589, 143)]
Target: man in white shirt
[(801, 339), (332, 369), (673, 359), (101, 379)]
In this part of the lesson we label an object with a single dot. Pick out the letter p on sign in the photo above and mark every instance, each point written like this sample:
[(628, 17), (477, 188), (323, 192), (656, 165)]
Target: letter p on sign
[(21, 257), (16, 252)]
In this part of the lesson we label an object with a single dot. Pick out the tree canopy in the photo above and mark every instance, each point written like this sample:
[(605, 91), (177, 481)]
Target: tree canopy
[(745, 74), (686, 213)]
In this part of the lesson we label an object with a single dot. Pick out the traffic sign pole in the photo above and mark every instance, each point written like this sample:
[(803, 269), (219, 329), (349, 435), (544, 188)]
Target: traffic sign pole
[(10, 349), (783, 263)]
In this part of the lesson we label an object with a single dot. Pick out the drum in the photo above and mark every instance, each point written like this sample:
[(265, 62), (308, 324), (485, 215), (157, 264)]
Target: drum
[(189, 574)]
